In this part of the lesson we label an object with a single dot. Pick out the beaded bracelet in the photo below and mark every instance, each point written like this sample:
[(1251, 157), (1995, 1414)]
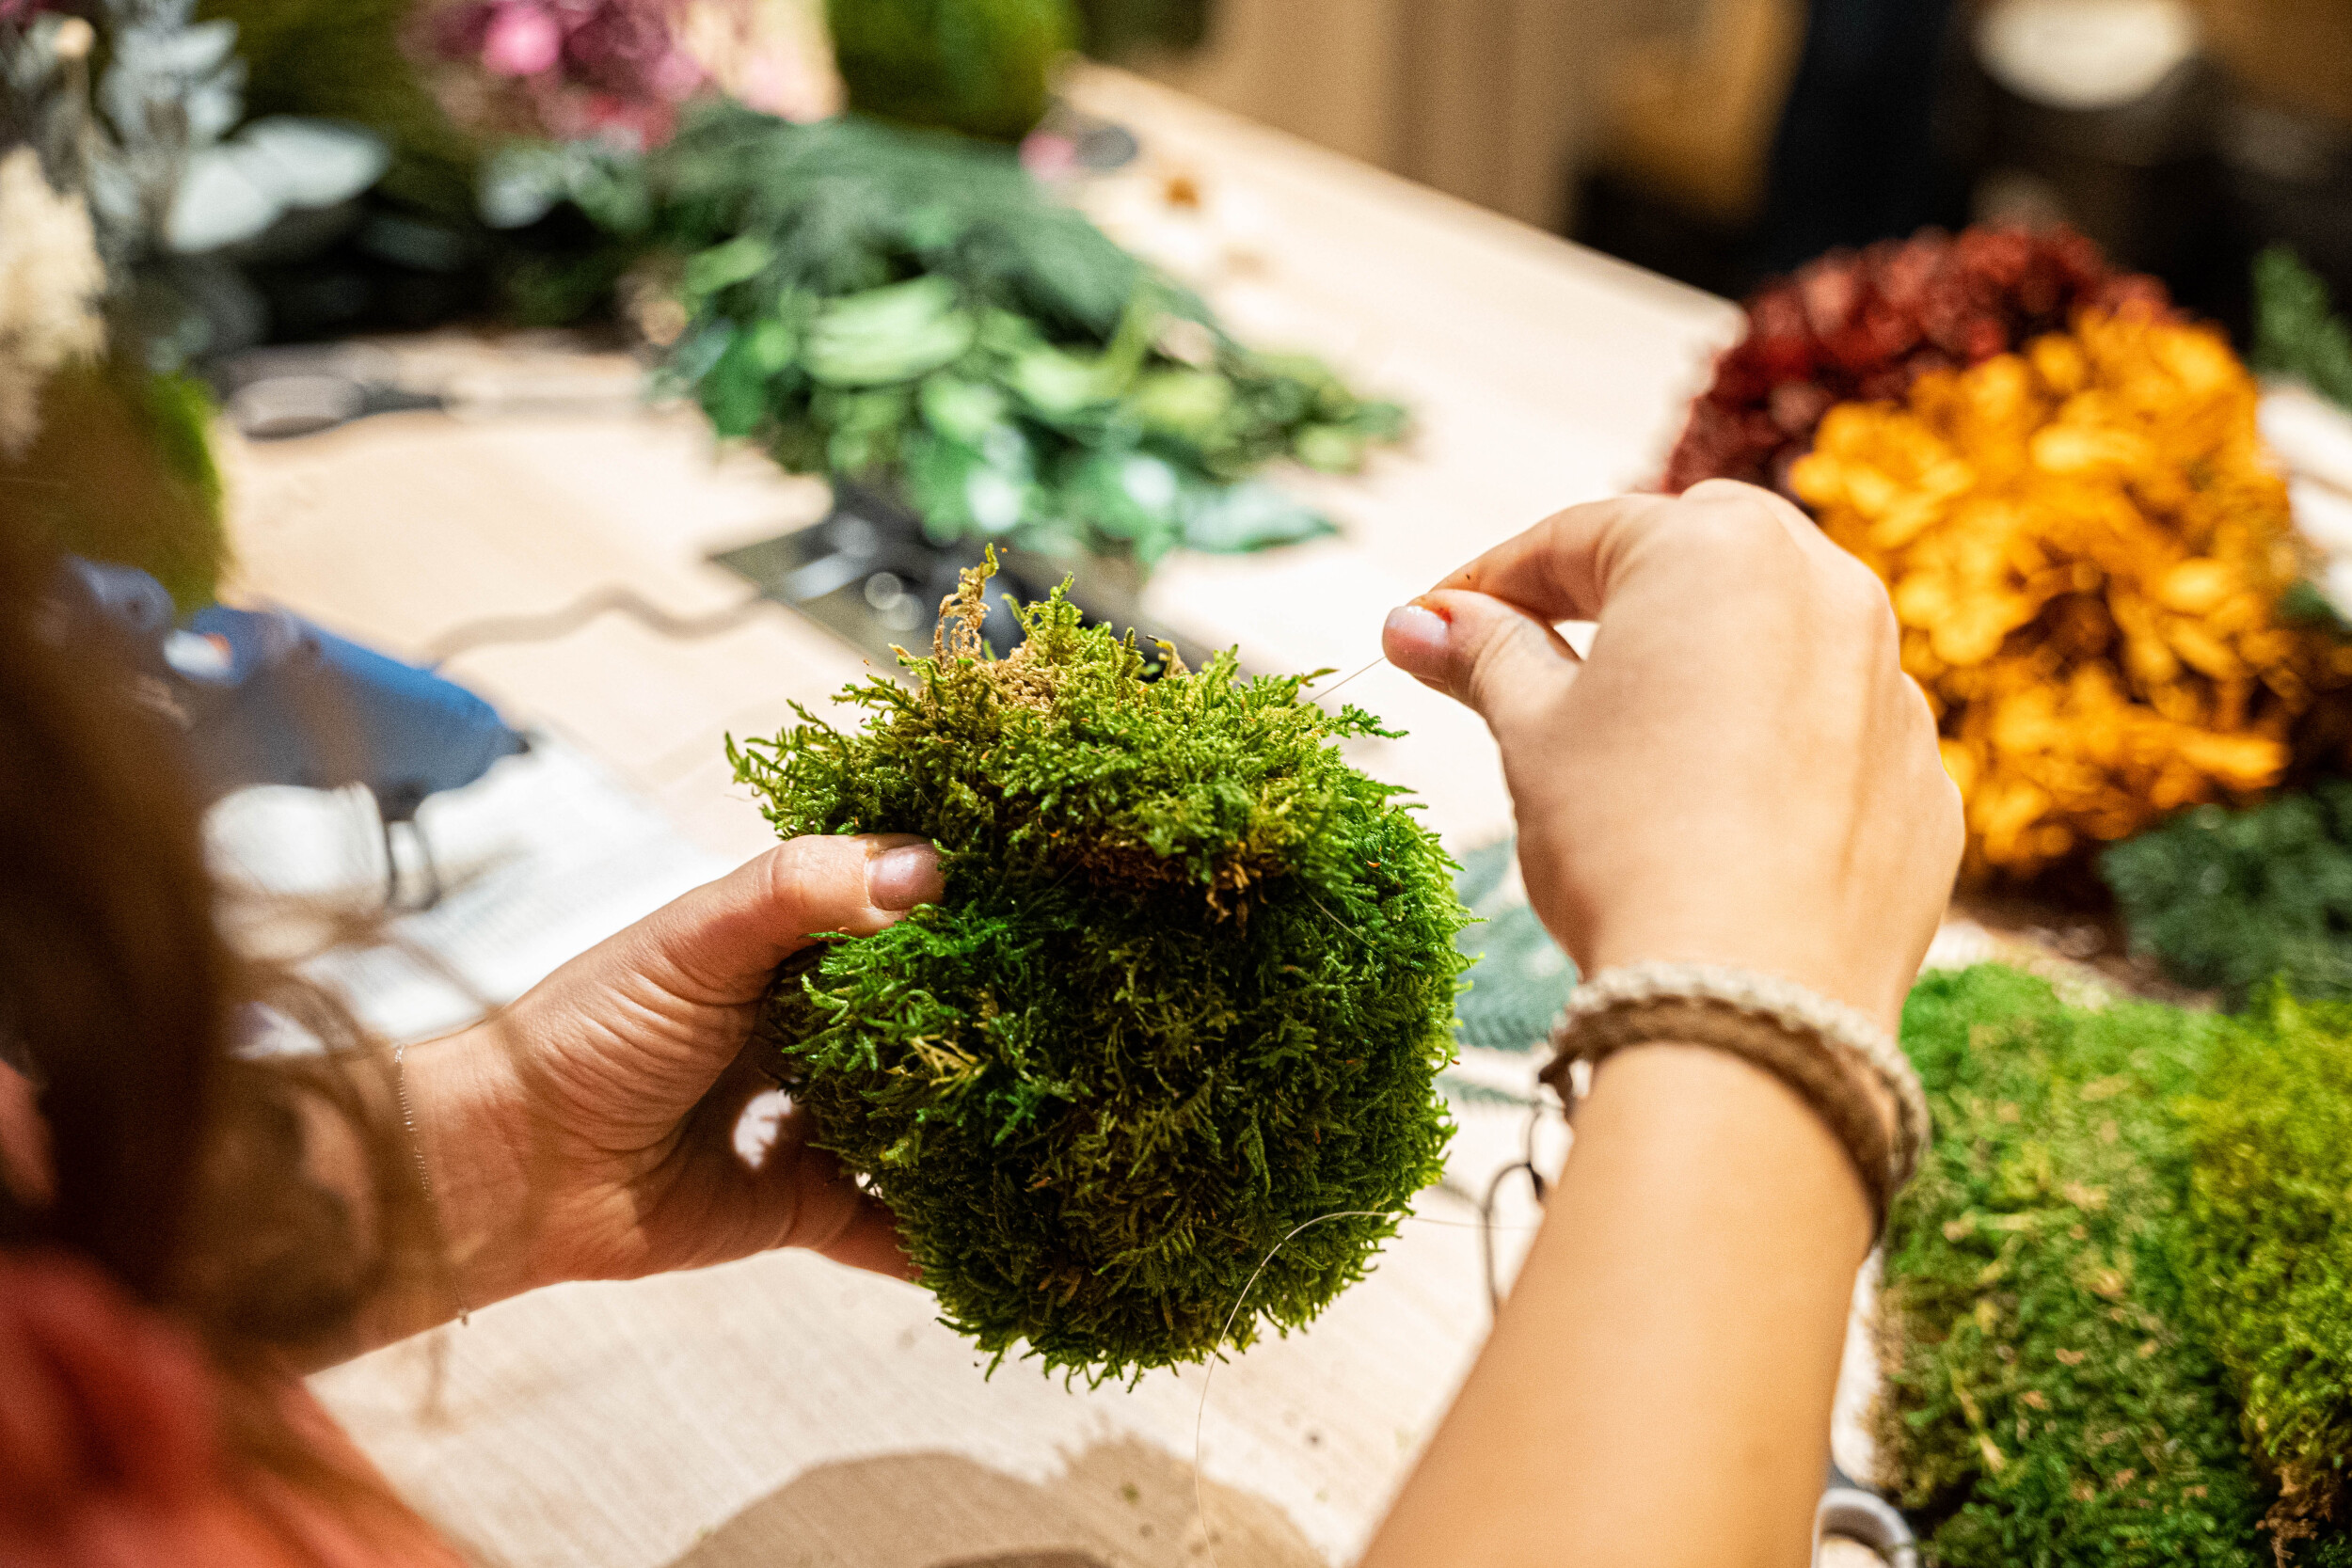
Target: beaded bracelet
[(1850, 1071)]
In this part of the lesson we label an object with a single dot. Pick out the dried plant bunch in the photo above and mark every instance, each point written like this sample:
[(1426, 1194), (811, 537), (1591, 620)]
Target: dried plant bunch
[(1189, 987), (2087, 552), (1863, 325)]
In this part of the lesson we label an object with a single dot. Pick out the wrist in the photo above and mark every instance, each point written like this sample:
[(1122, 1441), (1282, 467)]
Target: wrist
[(469, 1128), (1786, 945)]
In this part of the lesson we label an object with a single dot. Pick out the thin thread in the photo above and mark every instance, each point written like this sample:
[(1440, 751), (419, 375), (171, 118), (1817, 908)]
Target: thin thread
[(1365, 671), (1200, 1416), (424, 1177)]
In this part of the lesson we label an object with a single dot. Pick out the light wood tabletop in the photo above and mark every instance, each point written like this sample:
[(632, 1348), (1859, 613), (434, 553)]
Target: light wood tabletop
[(784, 1412)]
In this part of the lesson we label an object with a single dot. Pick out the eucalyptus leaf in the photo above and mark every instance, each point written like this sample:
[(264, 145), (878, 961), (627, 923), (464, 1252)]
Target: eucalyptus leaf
[(219, 202), (233, 191), (312, 163), (521, 183)]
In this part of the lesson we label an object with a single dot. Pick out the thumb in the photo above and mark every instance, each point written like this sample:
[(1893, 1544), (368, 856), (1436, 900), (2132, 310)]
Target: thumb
[(1506, 665), (720, 945)]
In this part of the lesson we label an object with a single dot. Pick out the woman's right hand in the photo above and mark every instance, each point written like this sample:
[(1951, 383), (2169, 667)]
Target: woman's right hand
[(1739, 774)]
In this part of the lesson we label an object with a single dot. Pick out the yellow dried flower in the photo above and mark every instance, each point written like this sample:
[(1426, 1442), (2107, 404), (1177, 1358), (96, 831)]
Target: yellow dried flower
[(2085, 546)]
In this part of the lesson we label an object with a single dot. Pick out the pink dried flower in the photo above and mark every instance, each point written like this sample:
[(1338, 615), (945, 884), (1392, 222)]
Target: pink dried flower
[(521, 41), (612, 68)]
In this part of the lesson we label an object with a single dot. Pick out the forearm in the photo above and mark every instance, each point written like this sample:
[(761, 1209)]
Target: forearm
[(1657, 1389)]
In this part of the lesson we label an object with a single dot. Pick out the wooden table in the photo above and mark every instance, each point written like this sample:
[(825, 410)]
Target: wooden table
[(783, 1412)]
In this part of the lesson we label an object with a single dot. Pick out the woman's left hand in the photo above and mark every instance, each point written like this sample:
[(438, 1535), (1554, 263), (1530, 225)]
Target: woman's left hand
[(590, 1132)]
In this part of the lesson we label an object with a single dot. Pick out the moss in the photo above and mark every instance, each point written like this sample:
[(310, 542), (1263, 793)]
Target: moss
[(1189, 985), (2270, 1267), (2048, 1398), (982, 67), (123, 471), (2234, 899)]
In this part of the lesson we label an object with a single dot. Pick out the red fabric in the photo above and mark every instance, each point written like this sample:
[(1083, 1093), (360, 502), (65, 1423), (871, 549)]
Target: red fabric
[(110, 1448)]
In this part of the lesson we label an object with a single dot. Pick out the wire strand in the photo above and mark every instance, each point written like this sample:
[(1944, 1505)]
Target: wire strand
[(498, 630), (1485, 1224), (1365, 671)]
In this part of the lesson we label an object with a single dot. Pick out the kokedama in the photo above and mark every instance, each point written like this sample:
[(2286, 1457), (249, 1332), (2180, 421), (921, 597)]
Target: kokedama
[(1189, 985)]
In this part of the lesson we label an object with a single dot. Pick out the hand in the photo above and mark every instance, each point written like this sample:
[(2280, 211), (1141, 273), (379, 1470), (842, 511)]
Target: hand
[(589, 1132), (1740, 774)]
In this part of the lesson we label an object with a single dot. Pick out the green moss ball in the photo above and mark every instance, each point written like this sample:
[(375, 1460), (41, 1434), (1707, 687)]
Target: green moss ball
[(982, 67), (1189, 987)]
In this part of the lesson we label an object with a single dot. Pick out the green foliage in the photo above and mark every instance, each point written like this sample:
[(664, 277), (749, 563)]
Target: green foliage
[(123, 471), (1519, 979), (914, 311), (2296, 331), (2231, 899), (2046, 1399), (2270, 1267), (1189, 987), (982, 67)]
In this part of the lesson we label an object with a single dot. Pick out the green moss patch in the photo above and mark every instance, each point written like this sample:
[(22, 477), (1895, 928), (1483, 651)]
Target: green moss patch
[(2047, 1400), (2269, 1264)]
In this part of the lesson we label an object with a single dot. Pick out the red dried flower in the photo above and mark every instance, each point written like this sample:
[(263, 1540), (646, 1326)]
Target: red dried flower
[(1862, 326)]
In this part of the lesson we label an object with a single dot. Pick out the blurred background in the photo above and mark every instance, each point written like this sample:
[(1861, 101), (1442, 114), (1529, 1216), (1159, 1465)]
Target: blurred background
[(1720, 141)]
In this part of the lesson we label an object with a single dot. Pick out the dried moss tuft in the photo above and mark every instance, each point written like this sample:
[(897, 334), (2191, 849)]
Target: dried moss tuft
[(1190, 985)]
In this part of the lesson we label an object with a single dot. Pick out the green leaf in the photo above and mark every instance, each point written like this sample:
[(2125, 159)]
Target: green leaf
[(1248, 516), (722, 266), (961, 490), (1187, 405), (735, 393), (962, 410), (898, 333), (1329, 448)]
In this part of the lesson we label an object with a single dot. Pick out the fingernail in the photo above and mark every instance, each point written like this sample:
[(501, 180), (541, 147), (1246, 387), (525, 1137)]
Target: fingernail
[(902, 878), (1415, 637)]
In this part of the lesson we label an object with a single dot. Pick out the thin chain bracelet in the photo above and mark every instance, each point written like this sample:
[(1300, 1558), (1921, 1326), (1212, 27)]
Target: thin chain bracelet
[(424, 1175)]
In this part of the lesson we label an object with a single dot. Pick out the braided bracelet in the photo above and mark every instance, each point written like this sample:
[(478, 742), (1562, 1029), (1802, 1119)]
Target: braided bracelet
[(1841, 1064)]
